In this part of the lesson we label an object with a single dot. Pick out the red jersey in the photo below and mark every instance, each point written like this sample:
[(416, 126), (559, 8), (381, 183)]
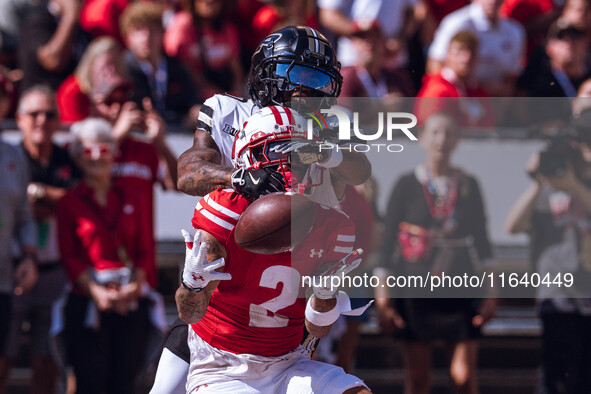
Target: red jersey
[(261, 309), (89, 234), (135, 171)]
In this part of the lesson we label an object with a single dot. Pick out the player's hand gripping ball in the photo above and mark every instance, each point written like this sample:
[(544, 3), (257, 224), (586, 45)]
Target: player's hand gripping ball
[(275, 223)]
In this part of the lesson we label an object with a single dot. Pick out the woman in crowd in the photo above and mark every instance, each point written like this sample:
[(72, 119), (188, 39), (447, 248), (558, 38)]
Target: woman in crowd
[(203, 38), (436, 221), (103, 242), (103, 55)]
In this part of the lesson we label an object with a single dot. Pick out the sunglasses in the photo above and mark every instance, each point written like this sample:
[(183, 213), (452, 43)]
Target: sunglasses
[(48, 114), (97, 150)]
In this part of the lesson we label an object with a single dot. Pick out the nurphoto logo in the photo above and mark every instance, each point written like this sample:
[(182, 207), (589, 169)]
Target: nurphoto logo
[(390, 123)]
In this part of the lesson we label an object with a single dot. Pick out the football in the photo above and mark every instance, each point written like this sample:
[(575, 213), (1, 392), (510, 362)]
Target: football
[(275, 223)]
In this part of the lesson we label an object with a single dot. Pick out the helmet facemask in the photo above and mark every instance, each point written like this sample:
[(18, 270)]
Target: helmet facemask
[(261, 142)]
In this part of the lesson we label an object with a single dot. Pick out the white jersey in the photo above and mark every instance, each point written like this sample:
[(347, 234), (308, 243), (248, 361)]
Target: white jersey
[(222, 116)]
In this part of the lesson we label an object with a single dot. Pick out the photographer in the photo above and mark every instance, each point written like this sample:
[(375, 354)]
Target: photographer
[(556, 211)]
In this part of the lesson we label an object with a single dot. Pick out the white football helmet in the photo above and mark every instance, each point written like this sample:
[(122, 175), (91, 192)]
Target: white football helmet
[(259, 143)]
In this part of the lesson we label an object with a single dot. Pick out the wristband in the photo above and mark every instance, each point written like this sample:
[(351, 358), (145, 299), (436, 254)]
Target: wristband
[(322, 319), (335, 158), (191, 289), (343, 307)]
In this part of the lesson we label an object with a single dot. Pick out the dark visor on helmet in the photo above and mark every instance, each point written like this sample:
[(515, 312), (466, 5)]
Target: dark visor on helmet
[(306, 76)]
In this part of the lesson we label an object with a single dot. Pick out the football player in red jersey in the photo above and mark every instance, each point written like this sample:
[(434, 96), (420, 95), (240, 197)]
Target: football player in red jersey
[(208, 164), (246, 310)]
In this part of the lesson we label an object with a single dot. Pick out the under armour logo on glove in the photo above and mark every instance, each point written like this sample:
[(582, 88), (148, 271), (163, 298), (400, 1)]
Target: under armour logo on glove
[(198, 272), (256, 182), (196, 278)]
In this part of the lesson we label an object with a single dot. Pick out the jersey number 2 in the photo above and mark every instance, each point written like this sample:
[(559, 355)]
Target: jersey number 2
[(263, 315)]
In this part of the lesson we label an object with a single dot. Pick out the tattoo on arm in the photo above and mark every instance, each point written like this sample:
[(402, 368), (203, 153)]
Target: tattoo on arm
[(191, 306), (200, 170), (215, 249)]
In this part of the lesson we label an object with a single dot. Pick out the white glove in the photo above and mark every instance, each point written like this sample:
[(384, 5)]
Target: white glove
[(198, 272), (342, 267)]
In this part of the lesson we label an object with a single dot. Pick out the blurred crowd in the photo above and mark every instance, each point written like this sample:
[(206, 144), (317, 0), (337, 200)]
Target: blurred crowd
[(178, 53), (106, 68)]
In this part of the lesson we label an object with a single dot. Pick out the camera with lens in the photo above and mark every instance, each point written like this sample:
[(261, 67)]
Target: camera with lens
[(559, 148), (554, 157)]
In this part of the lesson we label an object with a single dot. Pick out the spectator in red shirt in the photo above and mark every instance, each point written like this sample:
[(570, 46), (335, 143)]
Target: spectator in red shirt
[(278, 14), (99, 17), (103, 240), (139, 161), (209, 44), (456, 79), (102, 55)]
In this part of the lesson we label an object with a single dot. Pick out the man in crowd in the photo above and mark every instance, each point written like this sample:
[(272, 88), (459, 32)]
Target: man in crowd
[(16, 225), (153, 74), (52, 171), (501, 45)]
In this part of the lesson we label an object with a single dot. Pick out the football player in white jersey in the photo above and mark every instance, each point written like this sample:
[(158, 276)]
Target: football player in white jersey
[(296, 61)]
